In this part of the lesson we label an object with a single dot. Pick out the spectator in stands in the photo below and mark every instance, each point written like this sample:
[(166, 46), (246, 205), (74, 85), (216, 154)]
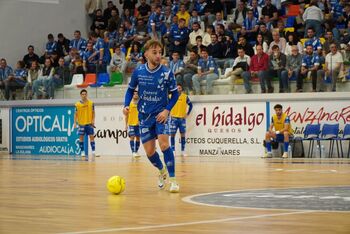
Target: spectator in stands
[(330, 40), (60, 77), (346, 14), (141, 34), (126, 16), (313, 17), (334, 64), (216, 51), (33, 74), (5, 72), (129, 34), (207, 35), (239, 15), (183, 13), (90, 59), (219, 20), (250, 26), (207, 70), (167, 17), (310, 66), (144, 11), (256, 10), (16, 80), (199, 45), (118, 61), (267, 35), (196, 31), (112, 34), (241, 64), (189, 71), (156, 25), (313, 40), (101, 47), (292, 39), (194, 18), (99, 22), (270, 13), (30, 57), (107, 13), (129, 4), (293, 65), (78, 42), (41, 85), (230, 51), (260, 41), (177, 65), (281, 28), (178, 39), (135, 57), (277, 66), (51, 46), (115, 19), (248, 49), (277, 40), (62, 45), (258, 68)]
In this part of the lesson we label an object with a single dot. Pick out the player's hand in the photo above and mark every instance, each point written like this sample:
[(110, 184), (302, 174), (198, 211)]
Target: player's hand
[(75, 125), (126, 110), (163, 116)]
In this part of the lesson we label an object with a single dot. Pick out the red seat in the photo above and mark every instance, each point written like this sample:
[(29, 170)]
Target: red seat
[(293, 10), (90, 79)]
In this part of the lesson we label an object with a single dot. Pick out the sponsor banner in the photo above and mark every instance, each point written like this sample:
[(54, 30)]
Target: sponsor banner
[(303, 113), (212, 130), (111, 136), (4, 129), (228, 129), (44, 130)]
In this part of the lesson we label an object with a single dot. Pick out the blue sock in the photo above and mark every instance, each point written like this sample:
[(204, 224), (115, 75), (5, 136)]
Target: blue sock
[(155, 160), (81, 145), (172, 142), (268, 146), (132, 145), (286, 144), (137, 145), (92, 143), (169, 161), (183, 143)]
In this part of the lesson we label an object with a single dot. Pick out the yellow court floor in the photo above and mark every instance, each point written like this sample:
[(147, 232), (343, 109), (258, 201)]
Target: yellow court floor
[(63, 195)]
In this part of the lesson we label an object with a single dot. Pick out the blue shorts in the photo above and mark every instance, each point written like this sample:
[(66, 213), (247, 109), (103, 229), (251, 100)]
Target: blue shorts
[(177, 123), (150, 128), (134, 131), (86, 129), (280, 137)]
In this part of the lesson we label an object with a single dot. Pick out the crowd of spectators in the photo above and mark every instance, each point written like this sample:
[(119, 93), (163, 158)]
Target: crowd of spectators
[(251, 39)]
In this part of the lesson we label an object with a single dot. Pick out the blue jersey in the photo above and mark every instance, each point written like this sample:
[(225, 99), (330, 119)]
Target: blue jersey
[(112, 35), (86, 56), (206, 65), (310, 60), (51, 47), (337, 10), (129, 32), (176, 66), (20, 73), (5, 72), (314, 42), (135, 57), (102, 45), (157, 20), (179, 34), (79, 44), (249, 24), (153, 88)]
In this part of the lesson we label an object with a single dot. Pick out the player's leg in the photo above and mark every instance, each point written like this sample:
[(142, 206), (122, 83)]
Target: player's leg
[(90, 131), (81, 133), (182, 128), (268, 137), (285, 144), (173, 129), (148, 138), (137, 141), (169, 160)]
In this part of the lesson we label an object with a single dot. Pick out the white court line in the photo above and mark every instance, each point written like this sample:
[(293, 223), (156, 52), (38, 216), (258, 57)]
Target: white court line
[(187, 223)]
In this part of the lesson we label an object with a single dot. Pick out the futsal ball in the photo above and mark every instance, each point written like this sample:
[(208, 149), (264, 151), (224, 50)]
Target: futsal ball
[(116, 184)]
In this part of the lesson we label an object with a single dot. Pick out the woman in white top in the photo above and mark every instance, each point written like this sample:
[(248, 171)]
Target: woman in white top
[(260, 41), (292, 39)]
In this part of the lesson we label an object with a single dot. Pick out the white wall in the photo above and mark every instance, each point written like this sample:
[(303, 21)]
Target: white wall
[(23, 23)]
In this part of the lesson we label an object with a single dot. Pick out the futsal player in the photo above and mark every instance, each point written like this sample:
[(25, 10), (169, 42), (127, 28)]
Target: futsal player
[(132, 125), (178, 119), (85, 118), (280, 130), (155, 82)]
